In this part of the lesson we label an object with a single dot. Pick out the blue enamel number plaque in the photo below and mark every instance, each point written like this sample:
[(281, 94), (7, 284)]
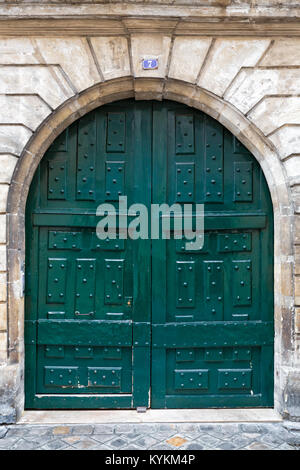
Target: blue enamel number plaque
[(150, 64)]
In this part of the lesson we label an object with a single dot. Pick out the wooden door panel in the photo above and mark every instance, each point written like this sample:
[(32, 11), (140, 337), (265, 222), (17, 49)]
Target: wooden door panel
[(95, 307), (212, 319), (87, 326)]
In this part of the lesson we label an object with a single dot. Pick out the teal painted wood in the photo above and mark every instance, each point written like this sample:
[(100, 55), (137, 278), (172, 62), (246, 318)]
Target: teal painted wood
[(91, 304), (87, 320), (212, 309)]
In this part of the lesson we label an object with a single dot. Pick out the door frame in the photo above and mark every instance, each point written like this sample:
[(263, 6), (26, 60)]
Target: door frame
[(235, 122)]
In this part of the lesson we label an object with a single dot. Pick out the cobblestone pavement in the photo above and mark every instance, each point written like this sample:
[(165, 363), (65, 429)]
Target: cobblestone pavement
[(183, 436)]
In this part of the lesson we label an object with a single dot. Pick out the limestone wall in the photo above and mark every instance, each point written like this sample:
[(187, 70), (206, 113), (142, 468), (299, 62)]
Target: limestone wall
[(256, 77)]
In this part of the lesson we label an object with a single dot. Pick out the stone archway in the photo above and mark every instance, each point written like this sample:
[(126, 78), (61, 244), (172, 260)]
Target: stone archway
[(158, 89)]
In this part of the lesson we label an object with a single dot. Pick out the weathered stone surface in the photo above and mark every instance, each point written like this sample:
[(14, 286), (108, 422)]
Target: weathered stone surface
[(3, 317), (18, 51), (112, 55), (293, 426), (3, 228), (287, 142), (297, 230), (84, 429), (188, 55), (74, 57), (226, 58), (9, 385), (297, 320), (13, 138), (268, 436), (61, 430), (251, 85), (237, 18), (27, 110), (7, 165), (297, 258), (292, 166), (292, 396), (296, 199), (47, 81), (297, 290), (3, 352), (148, 88), (2, 257), (284, 51), (294, 439), (273, 112), (3, 199), (144, 46), (3, 287)]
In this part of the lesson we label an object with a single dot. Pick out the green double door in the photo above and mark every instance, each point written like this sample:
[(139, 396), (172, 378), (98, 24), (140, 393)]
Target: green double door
[(127, 323)]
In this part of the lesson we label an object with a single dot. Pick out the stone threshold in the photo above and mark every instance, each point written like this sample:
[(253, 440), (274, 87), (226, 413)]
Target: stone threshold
[(237, 415)]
